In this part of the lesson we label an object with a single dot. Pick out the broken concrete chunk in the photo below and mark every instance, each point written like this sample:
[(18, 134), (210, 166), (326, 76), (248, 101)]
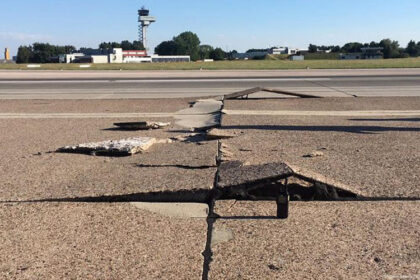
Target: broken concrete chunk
[(124, 147), (141, 125), (217, 134), (235, 174), (314, 154)]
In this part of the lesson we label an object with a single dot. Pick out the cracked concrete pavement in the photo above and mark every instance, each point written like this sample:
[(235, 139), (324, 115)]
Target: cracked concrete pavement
[(320, 240), (117, 233), (97, 241)]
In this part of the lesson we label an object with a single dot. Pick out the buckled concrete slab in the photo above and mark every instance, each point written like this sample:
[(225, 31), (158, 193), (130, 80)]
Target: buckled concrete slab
[(98, 241), (374, 157), (320, 240), (236, 175)]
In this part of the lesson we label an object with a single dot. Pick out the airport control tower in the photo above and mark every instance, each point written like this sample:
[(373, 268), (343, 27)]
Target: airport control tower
[(144, 21)]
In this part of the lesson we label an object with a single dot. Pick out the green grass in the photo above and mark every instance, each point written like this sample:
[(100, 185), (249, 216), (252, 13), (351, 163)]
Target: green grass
[(237, 65)]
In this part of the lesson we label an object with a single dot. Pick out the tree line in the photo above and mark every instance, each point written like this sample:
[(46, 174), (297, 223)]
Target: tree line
[(41, 53), (390, 48), (188, 43), (47, 53)]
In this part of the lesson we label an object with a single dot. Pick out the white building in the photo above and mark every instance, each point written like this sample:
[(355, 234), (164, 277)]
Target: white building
[(69, 58), (283, 50), (171, 58), (117, 55)]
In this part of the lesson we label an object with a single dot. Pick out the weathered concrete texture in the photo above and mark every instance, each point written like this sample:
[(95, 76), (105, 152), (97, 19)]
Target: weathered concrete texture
[(183, 154), (29, 172), (175, 210), (97, 241), (234, 174), (326, 104), (355, 240), (123, 147), (373, 157), (95, 106)]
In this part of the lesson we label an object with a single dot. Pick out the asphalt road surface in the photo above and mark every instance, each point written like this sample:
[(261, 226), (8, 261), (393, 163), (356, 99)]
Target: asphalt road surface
[(55, 86)]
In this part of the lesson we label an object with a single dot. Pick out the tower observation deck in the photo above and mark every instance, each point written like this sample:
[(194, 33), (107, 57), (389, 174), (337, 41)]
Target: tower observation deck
[(144, 21)]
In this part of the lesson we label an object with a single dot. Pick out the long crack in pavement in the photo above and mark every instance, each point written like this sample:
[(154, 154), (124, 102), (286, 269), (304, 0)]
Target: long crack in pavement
[(234, 180)]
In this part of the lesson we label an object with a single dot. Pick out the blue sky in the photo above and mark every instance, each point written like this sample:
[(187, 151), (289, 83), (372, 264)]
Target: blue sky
[(230, 24)]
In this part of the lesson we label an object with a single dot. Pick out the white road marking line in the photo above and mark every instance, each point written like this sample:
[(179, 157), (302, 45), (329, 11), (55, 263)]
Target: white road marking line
[(385, 113), (167, 81), (83, 115)]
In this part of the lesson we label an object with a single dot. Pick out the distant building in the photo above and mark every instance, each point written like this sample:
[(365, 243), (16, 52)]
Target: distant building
[(6, 54), (250, 55), (117, 55), (367, 53), (297, 57), (170, 58), (69, 58), (279, 50), (135, 56), (264, 53), (372, 53), (350, 56), (283, 50)]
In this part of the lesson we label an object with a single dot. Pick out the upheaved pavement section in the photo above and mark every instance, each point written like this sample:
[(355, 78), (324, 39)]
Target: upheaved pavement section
[(320, 240), (202, 115), (97, 241), (376, 157), (234, 178)]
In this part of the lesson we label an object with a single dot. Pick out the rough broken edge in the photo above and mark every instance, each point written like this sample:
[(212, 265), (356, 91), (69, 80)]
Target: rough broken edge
[(141, 125), (107, 152), (313, 177)]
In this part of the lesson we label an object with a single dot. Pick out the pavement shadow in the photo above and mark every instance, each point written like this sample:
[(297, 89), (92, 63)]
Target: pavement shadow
[(327, 128), (182, 166), (388, 120), (183, 196)]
